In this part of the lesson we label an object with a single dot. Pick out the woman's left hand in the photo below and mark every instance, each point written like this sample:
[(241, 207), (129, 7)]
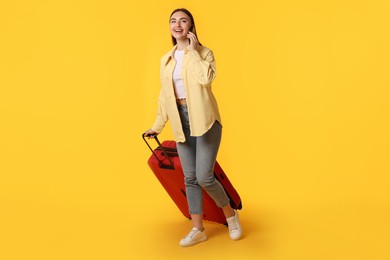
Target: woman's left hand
[(193, 41)]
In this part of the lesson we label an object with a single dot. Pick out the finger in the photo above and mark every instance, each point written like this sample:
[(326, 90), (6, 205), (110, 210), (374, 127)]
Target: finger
[(192, 36)]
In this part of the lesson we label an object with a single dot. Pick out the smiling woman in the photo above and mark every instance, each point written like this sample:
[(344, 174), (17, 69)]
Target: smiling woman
[(186, 99)]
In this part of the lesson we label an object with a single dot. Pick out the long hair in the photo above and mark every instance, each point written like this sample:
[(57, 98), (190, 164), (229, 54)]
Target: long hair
[(193, 27)]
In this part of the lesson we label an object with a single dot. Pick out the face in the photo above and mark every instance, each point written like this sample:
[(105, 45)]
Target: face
[(180, 24)]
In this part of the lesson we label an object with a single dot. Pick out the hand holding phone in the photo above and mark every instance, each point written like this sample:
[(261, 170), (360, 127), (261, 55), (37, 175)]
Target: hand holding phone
[(193, 41)]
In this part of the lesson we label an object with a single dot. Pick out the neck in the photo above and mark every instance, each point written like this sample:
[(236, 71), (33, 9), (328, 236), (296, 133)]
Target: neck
[(182, 44)]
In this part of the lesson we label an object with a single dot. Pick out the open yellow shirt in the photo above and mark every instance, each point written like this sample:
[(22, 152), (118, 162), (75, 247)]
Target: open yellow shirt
[(198, 73)]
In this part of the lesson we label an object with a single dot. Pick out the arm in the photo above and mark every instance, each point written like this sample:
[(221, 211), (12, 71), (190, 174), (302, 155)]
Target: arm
[(204, 69), (162, 116)]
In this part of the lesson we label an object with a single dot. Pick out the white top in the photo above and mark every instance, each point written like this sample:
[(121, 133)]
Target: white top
[(177, 76)]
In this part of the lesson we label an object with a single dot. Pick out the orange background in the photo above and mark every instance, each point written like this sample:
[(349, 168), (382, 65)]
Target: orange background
[(303, 88)]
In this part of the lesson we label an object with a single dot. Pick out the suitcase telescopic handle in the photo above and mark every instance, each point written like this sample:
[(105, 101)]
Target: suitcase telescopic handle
[(162, 152)]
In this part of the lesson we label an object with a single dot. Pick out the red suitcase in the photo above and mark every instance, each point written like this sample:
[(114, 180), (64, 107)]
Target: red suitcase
[(165, 164)]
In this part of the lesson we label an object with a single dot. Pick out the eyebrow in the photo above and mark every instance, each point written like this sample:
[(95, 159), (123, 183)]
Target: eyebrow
[(181, 18)]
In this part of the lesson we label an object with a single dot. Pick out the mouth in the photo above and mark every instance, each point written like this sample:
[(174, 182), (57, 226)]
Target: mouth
[(178, 30)]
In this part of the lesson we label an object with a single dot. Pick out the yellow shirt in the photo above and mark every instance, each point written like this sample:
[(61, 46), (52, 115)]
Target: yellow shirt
[(198, 72)]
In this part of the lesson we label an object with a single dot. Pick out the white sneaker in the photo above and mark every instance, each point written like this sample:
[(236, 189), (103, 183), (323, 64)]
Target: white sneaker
[(194, 237), (235, 230)]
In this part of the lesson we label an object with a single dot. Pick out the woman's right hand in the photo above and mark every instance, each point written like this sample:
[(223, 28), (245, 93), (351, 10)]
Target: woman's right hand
[(150, 133)]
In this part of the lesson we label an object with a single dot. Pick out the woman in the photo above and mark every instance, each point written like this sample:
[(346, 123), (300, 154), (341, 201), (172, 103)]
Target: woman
[(186, 99)]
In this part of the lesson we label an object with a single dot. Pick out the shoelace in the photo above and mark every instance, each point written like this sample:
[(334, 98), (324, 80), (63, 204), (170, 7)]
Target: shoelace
[(192, 233)]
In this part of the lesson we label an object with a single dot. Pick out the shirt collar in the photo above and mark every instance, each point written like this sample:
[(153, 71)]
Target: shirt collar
[(172, 52)]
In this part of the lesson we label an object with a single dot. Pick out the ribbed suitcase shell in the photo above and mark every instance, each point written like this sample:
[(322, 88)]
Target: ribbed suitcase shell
[(168, 171)]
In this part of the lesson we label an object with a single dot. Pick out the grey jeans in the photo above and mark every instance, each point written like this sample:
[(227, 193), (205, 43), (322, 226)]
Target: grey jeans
[(197, 156)]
